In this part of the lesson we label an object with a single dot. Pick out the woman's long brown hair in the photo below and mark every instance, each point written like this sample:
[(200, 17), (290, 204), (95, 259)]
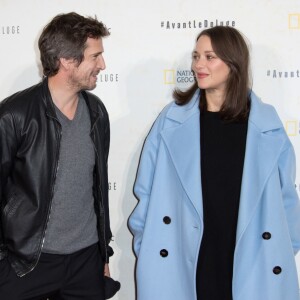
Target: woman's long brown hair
[(230, 46)]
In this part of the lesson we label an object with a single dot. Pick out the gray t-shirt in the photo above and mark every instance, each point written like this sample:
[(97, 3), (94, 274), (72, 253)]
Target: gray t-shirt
[(72, 223)]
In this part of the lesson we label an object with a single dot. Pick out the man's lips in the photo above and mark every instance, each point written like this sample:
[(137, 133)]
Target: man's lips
[(95, 75)]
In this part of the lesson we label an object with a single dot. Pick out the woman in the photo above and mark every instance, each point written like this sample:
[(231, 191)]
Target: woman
[(218, 214)]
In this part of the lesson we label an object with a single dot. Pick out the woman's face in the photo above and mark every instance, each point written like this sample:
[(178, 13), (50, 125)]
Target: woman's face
[(210, 71)]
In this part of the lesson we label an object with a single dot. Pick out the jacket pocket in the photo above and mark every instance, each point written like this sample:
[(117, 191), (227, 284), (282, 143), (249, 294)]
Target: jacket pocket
[(11, 206)]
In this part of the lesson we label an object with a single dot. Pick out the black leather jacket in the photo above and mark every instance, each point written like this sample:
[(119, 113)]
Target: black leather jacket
[(29, 152)]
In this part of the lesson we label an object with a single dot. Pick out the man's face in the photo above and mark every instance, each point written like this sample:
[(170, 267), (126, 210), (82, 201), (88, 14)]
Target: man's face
[(84, 76)]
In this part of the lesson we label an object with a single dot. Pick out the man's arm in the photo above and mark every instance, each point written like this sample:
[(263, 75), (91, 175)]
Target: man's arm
[(8, 149)]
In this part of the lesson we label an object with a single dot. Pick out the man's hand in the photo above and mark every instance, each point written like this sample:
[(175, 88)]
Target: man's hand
[(106, 270)]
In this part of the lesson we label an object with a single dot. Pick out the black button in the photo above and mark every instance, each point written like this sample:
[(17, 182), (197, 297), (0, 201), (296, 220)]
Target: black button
[(167, 220), (163, 252), (266, 235), (277, 270)]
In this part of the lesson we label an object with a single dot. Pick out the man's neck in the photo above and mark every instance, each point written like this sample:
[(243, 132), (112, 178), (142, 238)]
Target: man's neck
[(63, 97)]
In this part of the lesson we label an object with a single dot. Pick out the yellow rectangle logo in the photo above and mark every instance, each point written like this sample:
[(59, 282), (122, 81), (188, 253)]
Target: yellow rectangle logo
[(294, 21), (291, 128), (169, 76)]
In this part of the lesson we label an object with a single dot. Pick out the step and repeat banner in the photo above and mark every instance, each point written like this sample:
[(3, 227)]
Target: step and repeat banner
[(147, 55)]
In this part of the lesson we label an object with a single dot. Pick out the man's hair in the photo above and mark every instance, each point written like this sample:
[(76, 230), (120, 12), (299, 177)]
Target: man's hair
[(65, 37)]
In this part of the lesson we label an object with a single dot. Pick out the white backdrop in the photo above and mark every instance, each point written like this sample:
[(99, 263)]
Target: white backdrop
[(147, 55)]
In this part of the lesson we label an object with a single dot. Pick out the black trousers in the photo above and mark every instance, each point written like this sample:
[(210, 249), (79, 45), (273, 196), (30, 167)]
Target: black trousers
[(79, 275)]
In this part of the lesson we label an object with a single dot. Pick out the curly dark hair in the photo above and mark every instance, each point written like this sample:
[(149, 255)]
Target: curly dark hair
[(65, 37)]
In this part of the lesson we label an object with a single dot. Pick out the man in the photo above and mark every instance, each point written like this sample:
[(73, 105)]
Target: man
[(54, 142)]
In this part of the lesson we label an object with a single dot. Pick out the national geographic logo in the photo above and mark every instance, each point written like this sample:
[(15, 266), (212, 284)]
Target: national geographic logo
[(10, 30), (294, 21), (283, 74), (292, 127), (108, 78), (112, 186), (178, 77), (192, 24)]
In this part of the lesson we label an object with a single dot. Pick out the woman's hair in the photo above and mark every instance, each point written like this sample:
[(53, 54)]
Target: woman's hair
[(230, 46), (65, 37)]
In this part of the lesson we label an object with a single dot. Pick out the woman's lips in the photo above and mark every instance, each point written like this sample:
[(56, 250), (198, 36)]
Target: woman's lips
[(201, 75)]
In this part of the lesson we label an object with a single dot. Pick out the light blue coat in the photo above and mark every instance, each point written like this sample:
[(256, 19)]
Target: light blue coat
[(169, 184)]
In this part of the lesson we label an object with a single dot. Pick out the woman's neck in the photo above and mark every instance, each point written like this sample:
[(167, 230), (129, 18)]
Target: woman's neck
[(214, 99)]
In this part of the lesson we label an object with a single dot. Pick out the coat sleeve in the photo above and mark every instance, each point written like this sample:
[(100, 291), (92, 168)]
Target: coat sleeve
[(144, 181), (8, 149), (287, 172)]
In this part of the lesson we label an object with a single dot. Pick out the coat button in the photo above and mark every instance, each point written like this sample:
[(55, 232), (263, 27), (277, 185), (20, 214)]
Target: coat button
[(163, 252), (167, 220), (266, 235), (277, 270)]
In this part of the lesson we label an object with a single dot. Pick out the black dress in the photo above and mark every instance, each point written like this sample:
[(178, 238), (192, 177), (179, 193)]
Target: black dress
[(222, 159)]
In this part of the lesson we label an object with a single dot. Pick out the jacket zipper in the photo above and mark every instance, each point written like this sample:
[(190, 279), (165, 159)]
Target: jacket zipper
[(59, 133), (100, 201)]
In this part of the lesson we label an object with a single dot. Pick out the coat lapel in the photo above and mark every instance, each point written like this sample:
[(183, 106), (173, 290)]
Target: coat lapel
[(262, 150), (182, 140)]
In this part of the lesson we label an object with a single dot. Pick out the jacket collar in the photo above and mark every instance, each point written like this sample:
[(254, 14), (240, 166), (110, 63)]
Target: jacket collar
[(93, 109), (182, 113), (263, 116), (50, 109)]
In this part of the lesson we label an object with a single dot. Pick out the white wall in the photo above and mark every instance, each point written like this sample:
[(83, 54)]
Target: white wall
[(144, 56)]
